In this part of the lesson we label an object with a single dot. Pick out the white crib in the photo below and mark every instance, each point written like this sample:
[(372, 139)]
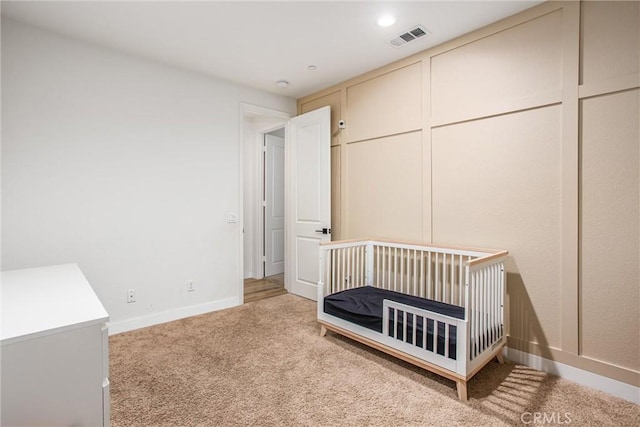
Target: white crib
[(470, 278)]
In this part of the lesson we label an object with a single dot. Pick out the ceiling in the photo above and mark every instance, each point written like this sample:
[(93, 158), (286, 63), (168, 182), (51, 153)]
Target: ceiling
[(259, 43)]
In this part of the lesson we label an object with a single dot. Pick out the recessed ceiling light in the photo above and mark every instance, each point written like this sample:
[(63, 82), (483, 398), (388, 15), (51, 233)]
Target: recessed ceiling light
[(282, 83), (386, 21), (312, 67)]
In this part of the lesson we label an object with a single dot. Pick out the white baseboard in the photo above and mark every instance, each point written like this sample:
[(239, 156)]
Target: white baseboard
[(616, 388), (170, 315)]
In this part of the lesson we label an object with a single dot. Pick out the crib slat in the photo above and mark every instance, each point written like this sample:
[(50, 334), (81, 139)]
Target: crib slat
[(492, 306), (358, 271), (444, 278), (415, 274), (429, 282), (481, 316), (483, 325), (404, 326), (377, 252), (415, 326), (460, 282), (352, 267), (469, 295), (481, 312), (343, 272), (395, 322), (334, 266), (424, 332), (401, 289), (422, 281), (476, 313), (381, 275), (452, 284), (437, 281), (363, 265), (389, 268), (446, 340), (435, 336), (492, 303)]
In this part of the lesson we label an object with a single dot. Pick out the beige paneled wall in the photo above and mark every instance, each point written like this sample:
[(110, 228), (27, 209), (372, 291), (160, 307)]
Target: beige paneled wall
[(384, 183), (496, 181), (609, 40), (385, 105), (610, 184), (496, 184), (507, 71), (526, 140), (610, 228)]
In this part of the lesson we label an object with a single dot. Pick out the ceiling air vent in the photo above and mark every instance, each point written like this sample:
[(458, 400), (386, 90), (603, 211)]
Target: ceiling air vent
[(409, 36)]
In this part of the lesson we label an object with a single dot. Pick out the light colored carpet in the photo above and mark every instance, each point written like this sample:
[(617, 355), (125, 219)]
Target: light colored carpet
[(264, 364)]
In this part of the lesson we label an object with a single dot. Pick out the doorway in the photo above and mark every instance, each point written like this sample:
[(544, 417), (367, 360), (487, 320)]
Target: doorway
[(270, 259), (257, 122), (307, 196)]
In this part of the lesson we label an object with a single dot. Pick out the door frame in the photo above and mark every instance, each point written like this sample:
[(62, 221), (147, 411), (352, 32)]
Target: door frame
[(272, 120)]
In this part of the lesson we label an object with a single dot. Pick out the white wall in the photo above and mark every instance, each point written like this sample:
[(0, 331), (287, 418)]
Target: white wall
[(125, 166)]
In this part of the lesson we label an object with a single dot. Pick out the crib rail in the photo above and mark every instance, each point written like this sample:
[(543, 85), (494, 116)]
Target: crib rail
[(485, 308), (425, 334), (345, 266), (436, 273)]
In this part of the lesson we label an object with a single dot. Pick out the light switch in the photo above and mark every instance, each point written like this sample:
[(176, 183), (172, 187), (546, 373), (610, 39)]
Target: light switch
[(232, 218)]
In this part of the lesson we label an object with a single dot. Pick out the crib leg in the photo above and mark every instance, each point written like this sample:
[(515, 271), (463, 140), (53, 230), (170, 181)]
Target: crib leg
[(462, 389), (500, 357), (323, 331)]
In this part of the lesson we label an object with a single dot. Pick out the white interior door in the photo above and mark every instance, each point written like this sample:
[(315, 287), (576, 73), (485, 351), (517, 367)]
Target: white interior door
[(274, 205), (308, 198)]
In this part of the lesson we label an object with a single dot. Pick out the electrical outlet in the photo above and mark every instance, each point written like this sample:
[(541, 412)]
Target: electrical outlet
[(190, 286), (131, 296)]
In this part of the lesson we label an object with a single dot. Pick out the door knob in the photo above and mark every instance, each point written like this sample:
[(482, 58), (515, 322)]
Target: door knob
[(324, 231)]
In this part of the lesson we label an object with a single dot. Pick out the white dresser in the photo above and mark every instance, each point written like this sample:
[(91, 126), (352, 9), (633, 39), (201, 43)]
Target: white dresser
[(55, 349)]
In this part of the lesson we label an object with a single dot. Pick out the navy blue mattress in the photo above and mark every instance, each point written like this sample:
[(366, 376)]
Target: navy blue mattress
[(363, 306)]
